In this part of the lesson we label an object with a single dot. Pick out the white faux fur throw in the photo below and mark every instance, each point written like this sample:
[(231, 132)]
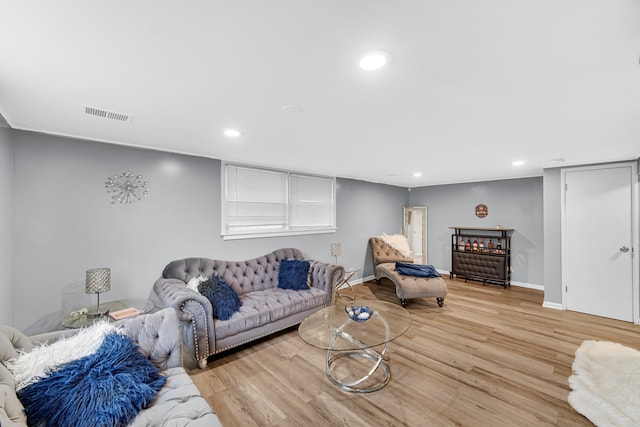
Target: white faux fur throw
[(606, 384), (28, 367)]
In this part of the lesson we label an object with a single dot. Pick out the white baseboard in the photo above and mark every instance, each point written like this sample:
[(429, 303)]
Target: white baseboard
[(528, 285), (513, 283), (366, 279), (553, 305), (356, 282)]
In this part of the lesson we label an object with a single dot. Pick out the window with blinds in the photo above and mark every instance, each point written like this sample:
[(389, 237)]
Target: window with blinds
[(264, 202)]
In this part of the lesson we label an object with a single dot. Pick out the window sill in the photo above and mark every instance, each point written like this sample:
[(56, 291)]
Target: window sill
[(277, 234)]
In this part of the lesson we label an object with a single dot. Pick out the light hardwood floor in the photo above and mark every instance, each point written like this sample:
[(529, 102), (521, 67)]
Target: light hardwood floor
[(489, 357)]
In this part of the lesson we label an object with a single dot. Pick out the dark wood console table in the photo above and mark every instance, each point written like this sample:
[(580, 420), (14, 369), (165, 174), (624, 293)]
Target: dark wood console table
[(482, 254)]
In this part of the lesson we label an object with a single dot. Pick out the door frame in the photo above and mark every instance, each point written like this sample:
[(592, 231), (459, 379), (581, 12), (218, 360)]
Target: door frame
[(405, 227), (635, 232)]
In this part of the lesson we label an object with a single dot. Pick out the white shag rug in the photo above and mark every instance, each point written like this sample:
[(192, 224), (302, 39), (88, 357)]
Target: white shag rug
[(606, 383)]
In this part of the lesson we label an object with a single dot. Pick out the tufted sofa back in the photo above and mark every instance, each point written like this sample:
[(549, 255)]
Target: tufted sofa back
[(243, 276), (11, 410), (158, 336)]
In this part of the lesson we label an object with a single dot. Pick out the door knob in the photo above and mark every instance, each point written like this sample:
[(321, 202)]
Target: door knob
[(624, 249)]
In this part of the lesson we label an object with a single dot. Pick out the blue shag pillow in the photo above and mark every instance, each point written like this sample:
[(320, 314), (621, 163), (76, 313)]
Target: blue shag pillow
[(292, 274), (105, 389), (224, 300)]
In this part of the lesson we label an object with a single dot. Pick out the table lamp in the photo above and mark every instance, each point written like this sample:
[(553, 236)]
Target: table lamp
[(98, 281), (336, 250)]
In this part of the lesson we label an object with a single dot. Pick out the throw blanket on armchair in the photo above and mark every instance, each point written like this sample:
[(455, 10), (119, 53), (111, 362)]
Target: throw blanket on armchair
[(418, 270)]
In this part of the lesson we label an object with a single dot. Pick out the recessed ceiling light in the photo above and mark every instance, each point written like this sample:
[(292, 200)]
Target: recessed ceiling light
[(374, 60), (518, 163), (232, 133), (417, 174)]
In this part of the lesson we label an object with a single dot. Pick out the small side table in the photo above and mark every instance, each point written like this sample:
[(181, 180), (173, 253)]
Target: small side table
[(144, 306), (348, 274)]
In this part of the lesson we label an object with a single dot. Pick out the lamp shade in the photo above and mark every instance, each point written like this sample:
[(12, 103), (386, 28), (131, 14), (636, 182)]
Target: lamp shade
[(336, 249), (98, 280)]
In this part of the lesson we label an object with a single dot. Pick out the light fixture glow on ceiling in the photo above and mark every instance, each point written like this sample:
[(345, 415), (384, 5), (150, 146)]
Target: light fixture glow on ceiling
[(417, 174), (518, 163), (374, 60), (232, 133)]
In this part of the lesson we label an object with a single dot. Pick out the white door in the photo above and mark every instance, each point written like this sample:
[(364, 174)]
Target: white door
[(598, 241)]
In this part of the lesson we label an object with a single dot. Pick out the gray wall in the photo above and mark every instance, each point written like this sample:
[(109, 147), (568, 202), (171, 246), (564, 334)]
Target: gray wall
[(6, 223), (552, 236), (513, 203), (64, 223), (365, 210)]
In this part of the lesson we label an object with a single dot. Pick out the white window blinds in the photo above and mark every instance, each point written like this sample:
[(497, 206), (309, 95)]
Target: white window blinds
[(258, 202), (311, 203)]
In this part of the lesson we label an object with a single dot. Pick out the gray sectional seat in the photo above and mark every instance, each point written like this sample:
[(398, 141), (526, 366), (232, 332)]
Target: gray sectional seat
[(265, 307), (178, 403)]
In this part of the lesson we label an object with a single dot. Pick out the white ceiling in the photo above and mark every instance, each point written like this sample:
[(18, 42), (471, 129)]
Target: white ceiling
[(472, 85)]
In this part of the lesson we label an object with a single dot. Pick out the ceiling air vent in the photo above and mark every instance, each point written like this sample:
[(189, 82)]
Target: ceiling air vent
[(106, 114)]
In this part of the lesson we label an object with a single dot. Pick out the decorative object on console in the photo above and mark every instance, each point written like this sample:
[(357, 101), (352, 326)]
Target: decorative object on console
[(98, 280), (482, 211), (336, 251), (126, 188)]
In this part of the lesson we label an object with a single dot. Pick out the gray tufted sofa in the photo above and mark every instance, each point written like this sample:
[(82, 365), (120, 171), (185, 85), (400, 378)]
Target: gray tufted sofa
[(265, 307), (178, 403)]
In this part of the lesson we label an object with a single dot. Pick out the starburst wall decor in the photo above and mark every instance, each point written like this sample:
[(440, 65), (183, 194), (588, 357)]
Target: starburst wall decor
[(126, 188)]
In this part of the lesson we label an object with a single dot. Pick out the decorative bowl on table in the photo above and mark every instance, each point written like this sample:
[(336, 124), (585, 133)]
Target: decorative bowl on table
[(358, 313)]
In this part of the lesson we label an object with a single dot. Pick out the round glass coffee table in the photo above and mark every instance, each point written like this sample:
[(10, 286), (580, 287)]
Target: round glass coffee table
[(352, 361)]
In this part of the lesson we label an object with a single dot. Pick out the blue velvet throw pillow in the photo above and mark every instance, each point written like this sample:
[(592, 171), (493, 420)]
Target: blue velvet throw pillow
[(105, 389), (224, 300), (292, 274)]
